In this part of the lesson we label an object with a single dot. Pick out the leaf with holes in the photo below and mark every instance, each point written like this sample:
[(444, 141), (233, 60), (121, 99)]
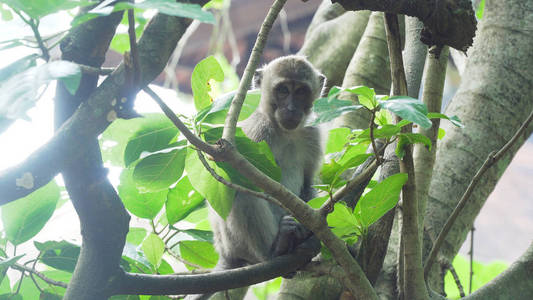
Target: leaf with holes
[(182, 200)]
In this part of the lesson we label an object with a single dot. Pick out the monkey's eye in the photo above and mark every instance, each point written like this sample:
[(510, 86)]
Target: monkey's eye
[(282, 90)]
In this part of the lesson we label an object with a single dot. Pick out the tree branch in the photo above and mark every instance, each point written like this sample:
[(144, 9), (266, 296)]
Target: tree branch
[(414, 284), (144, 284), (492, 158), (246, 80), (446, 22)]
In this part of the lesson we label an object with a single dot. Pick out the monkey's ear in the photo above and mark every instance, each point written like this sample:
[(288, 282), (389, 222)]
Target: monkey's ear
[(322, 82), (258, 76)]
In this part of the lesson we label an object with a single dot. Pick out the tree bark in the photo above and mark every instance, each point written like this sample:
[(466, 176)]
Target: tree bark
[(493, 100)]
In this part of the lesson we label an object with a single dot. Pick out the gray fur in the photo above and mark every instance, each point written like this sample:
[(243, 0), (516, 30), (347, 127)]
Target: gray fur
[(248, 234)]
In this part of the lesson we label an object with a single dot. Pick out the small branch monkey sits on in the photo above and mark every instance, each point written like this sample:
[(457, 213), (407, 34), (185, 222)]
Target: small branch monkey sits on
[(256, 230)]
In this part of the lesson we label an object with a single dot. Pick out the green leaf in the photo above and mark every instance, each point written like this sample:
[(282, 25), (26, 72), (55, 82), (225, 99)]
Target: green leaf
[(220, 197), (18, 66), (178, 9), (329, 109), (337, 139), (383, 117), (408, 108), (153, 248), (153, 135), (61, 255), (142, 205), (343, 221), (164, 269), (411, 138), (206, 69), (21, 91), (25, 217), (136, 235), (158, 171), (258, 154), (483, 273), (383, 132), (382, 198), (201, 235), (199, 253), (39, 9), (480, 9), (216, 112), (441, 133), (263, 291), (453, 119), (365, 95), (168, 7), (316, 203), (182, 200)]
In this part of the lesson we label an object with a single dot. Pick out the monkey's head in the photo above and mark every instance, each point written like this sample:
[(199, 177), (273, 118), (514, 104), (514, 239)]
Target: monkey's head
[(289, 86)]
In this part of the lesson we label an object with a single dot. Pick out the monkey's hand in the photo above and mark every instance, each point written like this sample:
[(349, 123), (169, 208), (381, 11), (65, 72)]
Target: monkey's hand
[(293, 235)]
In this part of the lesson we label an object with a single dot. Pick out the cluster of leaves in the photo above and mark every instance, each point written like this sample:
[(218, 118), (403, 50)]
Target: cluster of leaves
[(347, 149), (23, 82)]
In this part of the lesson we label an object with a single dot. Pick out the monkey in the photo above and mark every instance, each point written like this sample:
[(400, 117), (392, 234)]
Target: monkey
[(256, 230)]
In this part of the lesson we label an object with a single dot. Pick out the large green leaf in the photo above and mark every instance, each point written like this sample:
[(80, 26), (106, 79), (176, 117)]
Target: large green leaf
[(328, 109), (337, 139), (344, 223), (20, 92), (153, 248), (366, 96), (136, 235), (453, 119), (153, 134), (142, 205), (216, 112), (158, 171), (205, 70), (199, 253), (220, 196), (25, 217), (61, 255), (409, 109), (39, 9), (382, 198), (182, 200), (411, 138), (258, 154)]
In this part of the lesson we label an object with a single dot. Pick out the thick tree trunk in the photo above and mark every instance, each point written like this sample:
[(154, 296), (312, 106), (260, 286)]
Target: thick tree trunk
[(493, 100)]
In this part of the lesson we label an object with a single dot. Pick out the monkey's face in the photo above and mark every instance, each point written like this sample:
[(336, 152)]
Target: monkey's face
[(292, 103)]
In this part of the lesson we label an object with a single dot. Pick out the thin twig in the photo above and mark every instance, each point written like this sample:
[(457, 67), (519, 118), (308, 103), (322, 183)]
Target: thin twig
[(95, 71), (372, 139), (191, 137), (133, 47), (471, 260), (34, 25), (234, 186), (236, 104), (23, 268), (455, 277), (492, 158)]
